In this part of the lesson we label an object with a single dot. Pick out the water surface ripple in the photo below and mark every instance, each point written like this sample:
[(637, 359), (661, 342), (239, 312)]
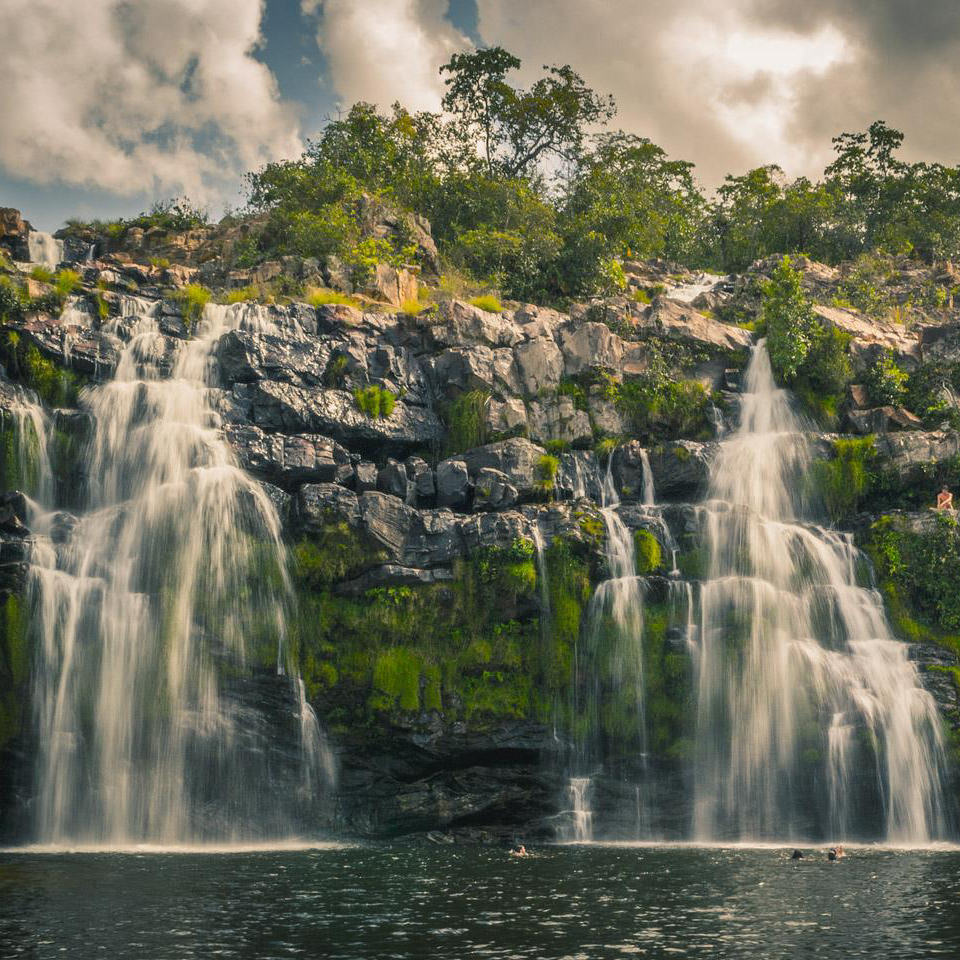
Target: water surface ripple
[(417, 900)]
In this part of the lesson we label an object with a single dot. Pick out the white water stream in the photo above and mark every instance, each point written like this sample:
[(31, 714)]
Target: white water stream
[(151, 611), (810, 714), (44, 249)]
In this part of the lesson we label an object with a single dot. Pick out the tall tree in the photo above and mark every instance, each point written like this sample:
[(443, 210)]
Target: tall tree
[(519, 129)]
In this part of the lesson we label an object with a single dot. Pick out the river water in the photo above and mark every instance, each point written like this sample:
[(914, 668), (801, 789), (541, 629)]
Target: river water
[(417, 900)]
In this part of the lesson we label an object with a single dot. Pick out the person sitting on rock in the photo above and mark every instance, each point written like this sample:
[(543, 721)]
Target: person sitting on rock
[(945, 500)]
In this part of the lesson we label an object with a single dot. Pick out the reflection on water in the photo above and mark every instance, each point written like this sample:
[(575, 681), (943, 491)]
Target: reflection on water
[(417, 900)]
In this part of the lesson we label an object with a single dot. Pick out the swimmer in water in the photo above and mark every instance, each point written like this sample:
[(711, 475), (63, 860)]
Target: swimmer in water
[(519, 851), (797, 855), (836, 853)]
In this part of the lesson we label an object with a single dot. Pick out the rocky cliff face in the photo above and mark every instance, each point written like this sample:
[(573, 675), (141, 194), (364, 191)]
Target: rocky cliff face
[(415, 459)]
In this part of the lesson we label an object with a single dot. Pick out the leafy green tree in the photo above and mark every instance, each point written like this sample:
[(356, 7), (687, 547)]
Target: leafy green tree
[(626, 198), (520, 129), (792, 327)]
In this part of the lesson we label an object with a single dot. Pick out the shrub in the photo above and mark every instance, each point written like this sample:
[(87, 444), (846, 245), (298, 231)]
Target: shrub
[(844, 480), (791, 325), (161, 263), (654, 405), (545, 473), (648, 553), (65, 282), (56, 387), (322, 297), (375, 402), (41, 274), (11, 301), (412, 307), (467, 421), (242, 294), (885, 381), (192, 299), (488, 302), (335, 373), (605, 446)]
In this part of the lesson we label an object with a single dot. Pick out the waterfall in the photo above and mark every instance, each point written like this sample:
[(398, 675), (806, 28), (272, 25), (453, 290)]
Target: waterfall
[(810, 715), (582, 816), (160, 614), (609, 669), (25, 428), (44, 249)]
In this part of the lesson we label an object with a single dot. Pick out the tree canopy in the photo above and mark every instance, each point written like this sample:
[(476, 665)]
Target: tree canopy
[(527, 192)]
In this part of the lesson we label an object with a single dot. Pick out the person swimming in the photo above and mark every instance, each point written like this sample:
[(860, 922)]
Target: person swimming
[(797, 855), (836, 853), (519, 851)]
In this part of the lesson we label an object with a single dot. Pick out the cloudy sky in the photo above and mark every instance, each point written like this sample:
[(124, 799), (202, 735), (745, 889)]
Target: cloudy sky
[(105, 110)]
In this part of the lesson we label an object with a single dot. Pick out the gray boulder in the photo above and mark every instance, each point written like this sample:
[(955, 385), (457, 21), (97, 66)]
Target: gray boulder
[(366, 476), (591, 346), (540, 365), (316, 504), (517, 459), (393, 480), (289, 459), (493, 490), (453, 483), (557, 419)]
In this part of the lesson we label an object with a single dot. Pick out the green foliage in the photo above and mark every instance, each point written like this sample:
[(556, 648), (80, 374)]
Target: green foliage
[(517, 129), (65, 282), (806, 354), (413, 307), (12, 301), (488, 302), (456, 647), (655, 406), (243, 294), (176, 215), (792, 328), (648, 553), (375, 402), (321, 298), (545, 473), (396, 680), (919, 570), (842, 482), (335, 373), (467, 421), (862, 286), (332, 553), (192, 299), (14, 666), (41, 274), (885, 381), (55, 386)]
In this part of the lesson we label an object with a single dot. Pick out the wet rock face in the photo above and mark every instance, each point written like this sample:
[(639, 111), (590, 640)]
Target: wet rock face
[(420, 508)]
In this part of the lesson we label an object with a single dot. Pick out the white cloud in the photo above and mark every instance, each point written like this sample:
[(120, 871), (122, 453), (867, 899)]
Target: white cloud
[(702, 80), (386, 50), (161, 96)]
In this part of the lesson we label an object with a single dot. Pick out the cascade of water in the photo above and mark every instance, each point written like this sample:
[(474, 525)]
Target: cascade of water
[(152, 613), (578, 791), (44, 249), (800, 681), (610, 666), (27, 434), (649, 494)]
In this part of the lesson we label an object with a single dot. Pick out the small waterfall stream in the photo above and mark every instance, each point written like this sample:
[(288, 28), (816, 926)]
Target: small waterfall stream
[(44, 249), (810, 715), (157, 614)]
